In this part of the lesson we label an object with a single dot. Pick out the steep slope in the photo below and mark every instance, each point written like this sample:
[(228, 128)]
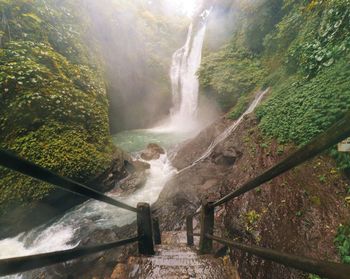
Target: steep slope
[(53, 101), (298, 212), (300, 49)]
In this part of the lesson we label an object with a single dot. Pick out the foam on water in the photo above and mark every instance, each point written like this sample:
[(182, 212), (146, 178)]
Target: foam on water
[(67, 231), (184, 81)]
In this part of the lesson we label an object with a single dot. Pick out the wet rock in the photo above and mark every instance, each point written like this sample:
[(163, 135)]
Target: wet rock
[(141, 166), (133, 182), (189, 151), (136, 166), (152, 152), (227, 157), (99, 265), (119, 272), (130, 184)]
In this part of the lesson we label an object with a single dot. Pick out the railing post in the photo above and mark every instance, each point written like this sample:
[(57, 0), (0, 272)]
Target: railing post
[(207, 227), (144, 229), (156, 231), (189, 230)]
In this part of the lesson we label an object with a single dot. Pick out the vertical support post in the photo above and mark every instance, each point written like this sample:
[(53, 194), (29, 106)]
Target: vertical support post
[(156, 231), (189, 230), (144, 229), (207, 227)]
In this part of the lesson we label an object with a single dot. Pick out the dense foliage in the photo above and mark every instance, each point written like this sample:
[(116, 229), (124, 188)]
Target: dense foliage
[(301, 50), (53, 103), (298, 48), (342, 242), (230, 72)]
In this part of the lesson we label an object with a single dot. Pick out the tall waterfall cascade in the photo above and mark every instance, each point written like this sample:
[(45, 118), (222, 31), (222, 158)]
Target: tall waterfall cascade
[(184, 80), (69, 229)]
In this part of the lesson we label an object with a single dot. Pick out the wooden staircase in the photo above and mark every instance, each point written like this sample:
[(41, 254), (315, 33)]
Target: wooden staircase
[(175, 260)]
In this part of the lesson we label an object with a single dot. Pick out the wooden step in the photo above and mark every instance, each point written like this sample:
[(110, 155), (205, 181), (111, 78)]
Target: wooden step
[(174, 259)]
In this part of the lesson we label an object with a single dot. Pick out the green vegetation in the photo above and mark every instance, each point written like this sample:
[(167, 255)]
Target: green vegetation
[(230, 73), (342, 242), (315, 89), (53, 103), (301, 50)]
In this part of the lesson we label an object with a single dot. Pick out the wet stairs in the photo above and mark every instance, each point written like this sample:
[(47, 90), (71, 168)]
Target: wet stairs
[(175, 260)]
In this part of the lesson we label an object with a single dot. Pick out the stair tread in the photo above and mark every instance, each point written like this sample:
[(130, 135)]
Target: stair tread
[(174, 259)]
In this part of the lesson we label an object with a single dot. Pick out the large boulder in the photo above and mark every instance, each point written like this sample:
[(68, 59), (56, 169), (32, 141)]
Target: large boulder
[(152, 152)]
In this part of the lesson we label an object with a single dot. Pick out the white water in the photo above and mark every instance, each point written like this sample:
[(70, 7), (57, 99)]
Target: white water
[(67, 231), (229, 130), (184, 81)]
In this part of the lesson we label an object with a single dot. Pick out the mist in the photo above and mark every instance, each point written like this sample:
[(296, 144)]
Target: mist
[(135, 41)]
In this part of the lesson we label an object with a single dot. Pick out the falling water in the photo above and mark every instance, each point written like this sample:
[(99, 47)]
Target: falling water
[(227, 132), (75, 224), (183, 74), (233, 127)]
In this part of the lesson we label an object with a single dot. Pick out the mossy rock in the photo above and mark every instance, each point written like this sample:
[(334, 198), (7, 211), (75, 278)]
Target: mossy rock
[(53, 103)]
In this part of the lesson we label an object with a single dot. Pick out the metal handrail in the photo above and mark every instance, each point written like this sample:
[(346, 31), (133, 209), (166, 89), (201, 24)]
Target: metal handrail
[(26, 263), (326, 269), (145, 236), (13, 162), (335, 134)]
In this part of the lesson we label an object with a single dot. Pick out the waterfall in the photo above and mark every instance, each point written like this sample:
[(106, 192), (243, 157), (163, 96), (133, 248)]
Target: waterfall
[(184, 81), (228, 131), (67, 231)]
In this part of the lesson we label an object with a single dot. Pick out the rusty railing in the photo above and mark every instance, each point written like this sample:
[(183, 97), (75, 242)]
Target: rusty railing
[(335, 134), (146, 226)]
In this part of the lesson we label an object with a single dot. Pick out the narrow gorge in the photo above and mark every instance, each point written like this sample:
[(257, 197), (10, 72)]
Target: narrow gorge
[(174, 104)]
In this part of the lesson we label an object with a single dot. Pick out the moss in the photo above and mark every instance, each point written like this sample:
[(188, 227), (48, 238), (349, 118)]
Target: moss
[(304, 60), (230, 73), (342, 242), (53, 103)]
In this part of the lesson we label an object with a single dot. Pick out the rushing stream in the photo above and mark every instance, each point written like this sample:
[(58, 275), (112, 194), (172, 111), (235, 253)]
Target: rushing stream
[(67, 231), (78, 223)]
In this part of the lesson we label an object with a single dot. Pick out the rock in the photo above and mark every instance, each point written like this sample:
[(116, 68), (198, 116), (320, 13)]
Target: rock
[(152, 152), (226, 158), (119, 272), (133, 182), (140, 165), (130, 184), (133, 166)]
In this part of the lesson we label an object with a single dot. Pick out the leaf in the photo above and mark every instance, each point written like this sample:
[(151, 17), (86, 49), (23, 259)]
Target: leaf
[(328, 63), (33, 16)]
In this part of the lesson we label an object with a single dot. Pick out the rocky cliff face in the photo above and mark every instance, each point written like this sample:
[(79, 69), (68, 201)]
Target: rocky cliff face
[(298, 212)]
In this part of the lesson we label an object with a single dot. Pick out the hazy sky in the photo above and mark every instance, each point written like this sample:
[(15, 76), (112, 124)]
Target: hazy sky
[(187, 7)]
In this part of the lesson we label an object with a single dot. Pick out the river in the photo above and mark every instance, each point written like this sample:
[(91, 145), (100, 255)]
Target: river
[(67, 231)]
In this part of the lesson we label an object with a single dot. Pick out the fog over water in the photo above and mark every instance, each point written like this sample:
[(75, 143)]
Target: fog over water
[(181, 121)]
